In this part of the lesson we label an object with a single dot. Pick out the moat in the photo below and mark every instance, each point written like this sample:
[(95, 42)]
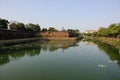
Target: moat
[(60, 60)]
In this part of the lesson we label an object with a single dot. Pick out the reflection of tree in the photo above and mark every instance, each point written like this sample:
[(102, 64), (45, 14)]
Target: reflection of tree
[(73, 44), (52, 49), (112, 52), (44, 46), (33, 52), (17, 54), (31, 49), (18, 51), (4, 59)]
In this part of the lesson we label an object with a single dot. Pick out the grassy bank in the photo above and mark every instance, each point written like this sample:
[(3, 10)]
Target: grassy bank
[(115, 42)]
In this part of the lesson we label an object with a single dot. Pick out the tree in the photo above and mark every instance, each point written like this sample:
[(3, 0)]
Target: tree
[(102, 32), (44, 30), (114, 29), (20, 26), (51, 29), (17, 26), (3, 24), (33, 27), (37, 28), (13, 26), (73, 33), (77, 31)]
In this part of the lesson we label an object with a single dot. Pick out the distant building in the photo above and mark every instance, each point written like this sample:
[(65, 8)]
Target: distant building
[(90, 31)]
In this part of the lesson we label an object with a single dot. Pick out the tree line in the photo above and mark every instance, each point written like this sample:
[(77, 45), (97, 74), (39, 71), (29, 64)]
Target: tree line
[(19, 26), (112, 31), (22, 28)]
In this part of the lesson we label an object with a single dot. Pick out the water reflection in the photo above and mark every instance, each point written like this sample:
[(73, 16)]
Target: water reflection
[(111, 51), (32, 49), (55, 45)]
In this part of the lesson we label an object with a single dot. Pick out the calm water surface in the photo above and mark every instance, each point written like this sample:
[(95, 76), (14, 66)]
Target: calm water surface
[(53, 60)]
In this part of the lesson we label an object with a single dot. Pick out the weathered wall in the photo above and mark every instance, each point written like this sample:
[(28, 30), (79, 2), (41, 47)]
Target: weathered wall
[(54, 34), (9, 34)]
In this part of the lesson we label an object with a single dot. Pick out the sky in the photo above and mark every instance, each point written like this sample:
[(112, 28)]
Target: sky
[(70, 14)]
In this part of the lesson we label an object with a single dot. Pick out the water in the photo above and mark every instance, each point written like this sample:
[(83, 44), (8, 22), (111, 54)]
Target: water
[(84, 60)]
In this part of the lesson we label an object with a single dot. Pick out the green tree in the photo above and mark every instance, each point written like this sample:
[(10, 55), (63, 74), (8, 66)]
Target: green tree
[(114, 30), (3, 24), (51, 29), (102, 32), (37, 28), (73, 33), (33, 27), (77, 31), (44, 30), (13, 26), (17, 26), (20, 26)]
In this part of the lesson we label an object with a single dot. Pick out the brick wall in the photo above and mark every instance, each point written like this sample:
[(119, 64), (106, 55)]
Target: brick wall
[(54, 34)]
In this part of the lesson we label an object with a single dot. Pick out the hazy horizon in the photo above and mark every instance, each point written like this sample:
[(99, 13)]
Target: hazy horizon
[(70, 14)]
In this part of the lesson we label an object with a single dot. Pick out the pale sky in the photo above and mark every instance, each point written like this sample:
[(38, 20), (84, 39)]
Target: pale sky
[(70, 14)]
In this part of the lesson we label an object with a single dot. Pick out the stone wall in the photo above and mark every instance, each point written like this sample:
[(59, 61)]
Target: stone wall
[(10, 34), (54, 34)]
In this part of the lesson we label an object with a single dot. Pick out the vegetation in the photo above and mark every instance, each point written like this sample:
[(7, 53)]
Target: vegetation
[(51, 29), (17, 26), (109, 35), (3, 24), (111, 51), (73, 33), (17, 30), (20, 30), (33, 27), (113, 31), (44, 30), (29, 27), (110, 41)]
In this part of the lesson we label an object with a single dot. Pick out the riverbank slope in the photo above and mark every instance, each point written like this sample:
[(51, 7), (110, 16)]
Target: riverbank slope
[(115, 42)]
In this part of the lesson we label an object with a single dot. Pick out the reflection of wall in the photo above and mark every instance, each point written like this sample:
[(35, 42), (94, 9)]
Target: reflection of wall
[(55, 45), (16, 52)]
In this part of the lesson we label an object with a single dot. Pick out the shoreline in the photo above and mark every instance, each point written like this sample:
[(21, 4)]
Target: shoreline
[(61, 39), (20, 41), (115, 42), (4, 43)]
